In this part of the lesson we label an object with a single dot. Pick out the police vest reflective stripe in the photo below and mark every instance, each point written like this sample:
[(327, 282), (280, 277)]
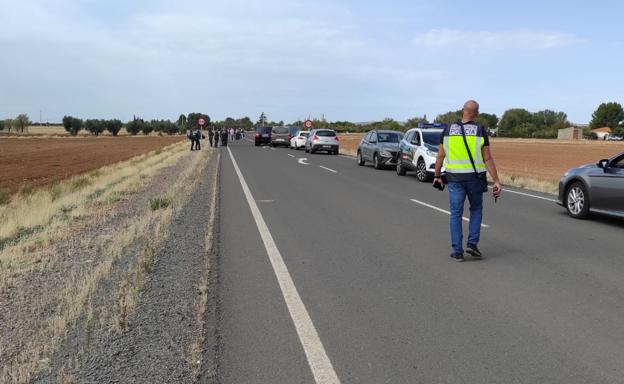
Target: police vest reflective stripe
[(457, 159)]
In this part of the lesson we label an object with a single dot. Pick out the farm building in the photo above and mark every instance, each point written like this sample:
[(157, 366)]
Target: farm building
[(572, 133), (602, 132)]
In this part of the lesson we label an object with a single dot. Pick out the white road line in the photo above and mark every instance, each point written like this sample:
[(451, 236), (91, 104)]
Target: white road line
[(328, 169), (526, 194), (303, 161), (443, 211), (319, 362), (291, 155)]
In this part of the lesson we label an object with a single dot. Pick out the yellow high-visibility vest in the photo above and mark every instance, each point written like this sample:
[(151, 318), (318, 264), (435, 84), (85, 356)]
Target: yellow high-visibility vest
[(457, 159)]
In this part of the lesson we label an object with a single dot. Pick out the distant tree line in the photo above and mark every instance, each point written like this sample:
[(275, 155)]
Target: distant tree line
[(18, 124)]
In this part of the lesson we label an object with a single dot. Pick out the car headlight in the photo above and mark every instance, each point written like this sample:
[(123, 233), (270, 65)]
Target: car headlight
[(385, 154), (566, 174), (431, 153)]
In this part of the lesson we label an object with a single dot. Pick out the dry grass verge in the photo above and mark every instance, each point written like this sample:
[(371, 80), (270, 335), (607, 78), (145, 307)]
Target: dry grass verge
[(89, 198)]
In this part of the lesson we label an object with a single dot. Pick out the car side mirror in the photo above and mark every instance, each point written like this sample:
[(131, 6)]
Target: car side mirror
[(604, 164)]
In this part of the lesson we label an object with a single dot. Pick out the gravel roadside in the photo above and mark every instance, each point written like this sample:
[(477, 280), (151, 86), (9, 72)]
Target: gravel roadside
[(155, 344)]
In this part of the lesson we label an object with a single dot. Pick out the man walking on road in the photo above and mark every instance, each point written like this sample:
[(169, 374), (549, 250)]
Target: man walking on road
[(210, 136), (465, 151)]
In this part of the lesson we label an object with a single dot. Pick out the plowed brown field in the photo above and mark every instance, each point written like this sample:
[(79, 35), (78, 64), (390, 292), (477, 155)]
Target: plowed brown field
[(542, 160), (40, 161)]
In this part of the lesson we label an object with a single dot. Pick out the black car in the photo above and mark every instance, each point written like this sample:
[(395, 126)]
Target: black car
[(594, 188), (381, 147), (263, 135)]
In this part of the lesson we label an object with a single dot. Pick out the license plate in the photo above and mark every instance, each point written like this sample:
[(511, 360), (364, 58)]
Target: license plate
[(279, 140), (326, 146), (265, 135)]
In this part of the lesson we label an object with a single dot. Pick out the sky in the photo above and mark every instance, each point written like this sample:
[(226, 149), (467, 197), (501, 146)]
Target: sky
[(344, 60)]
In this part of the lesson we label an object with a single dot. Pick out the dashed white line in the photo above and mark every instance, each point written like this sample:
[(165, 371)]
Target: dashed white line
[(319, 362), (442, 210), (527, 194), (328, 169), (291, 155)]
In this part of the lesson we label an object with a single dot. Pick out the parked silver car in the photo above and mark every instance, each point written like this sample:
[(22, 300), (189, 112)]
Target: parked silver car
[(594, 188), (323, 140), (381, 147)]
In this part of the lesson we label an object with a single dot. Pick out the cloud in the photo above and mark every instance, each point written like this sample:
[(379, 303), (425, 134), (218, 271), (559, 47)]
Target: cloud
[(479, 40)]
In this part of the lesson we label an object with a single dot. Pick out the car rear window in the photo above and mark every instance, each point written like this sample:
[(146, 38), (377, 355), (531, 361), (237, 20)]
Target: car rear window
[(388, 137), (263, 130), (280, 130), (304, 134), (326, 133)]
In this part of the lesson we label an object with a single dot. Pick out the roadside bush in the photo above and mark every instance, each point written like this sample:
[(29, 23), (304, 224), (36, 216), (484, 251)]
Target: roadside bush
[(159, 203), (5, 196)]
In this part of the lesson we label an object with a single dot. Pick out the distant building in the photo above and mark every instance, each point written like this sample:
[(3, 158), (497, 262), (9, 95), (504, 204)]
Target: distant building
[(572, 133), (602, 133)]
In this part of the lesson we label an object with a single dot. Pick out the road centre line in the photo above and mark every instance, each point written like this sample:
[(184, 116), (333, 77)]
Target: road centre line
[(319, 362), (526, 194), (329, 169), (443, 211), (291, 155)]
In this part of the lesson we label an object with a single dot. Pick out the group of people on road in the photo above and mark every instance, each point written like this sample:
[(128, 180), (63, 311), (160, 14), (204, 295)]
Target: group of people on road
[(215, 136)]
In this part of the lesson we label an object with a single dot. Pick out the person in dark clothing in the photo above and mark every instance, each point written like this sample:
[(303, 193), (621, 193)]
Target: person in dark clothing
[(198, 136), (217, 136), (224, 138), (210, 136), (191, 137)]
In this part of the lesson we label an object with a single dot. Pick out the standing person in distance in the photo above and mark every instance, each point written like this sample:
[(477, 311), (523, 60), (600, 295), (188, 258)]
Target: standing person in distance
[(191, 137), (198, 137), (210, 136), (465, 152), (217, 134)]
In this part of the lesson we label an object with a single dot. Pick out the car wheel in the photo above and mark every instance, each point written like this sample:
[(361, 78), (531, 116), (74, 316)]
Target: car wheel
[(421, 171), (399, 168), (311, 150), (360, 160), (257, 145), (307, 150), (376, 162), (577, 201), (337, 151)]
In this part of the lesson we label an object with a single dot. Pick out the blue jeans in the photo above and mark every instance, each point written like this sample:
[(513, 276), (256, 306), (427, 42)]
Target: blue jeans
[(457, 194)]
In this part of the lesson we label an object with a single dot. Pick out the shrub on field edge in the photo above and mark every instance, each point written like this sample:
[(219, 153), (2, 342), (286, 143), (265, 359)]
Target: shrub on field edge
[(159, 203)]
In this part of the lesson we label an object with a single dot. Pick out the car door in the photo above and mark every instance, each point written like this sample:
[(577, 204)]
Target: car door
[(415, 144), (607, 186), (372, 142)]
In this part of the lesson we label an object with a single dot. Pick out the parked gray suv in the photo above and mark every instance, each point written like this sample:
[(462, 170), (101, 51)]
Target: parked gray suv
[(594, 188), (381, 147)]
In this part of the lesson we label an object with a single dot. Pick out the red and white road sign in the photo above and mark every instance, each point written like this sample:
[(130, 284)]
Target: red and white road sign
[(201, 121), (308, 124)]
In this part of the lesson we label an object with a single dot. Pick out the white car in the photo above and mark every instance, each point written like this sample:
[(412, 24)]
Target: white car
[(298, 141), (418, 151), (324, 140)]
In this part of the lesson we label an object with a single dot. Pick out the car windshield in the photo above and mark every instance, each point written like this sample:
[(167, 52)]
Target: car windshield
[(326, 133), (432, 138), (263, 130), (388, 137), (280, 130)]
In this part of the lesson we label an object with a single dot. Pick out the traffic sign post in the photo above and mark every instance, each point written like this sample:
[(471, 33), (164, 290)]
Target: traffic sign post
[(308, 124)]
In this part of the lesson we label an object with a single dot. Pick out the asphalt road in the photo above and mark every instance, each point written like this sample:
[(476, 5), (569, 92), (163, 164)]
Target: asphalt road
[(388, 305)]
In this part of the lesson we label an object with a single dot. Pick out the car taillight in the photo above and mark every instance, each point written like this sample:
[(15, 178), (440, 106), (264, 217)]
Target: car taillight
[(290, 136), (337, 139), (315, 138), (257, 134)]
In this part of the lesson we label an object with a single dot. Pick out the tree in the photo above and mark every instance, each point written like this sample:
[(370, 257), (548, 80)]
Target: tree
[(182, 123), (389, 123), (94, 126), (449, 117), (619, 131), (72, 125), (607, 115), (1, 125), (262, 120), (135, 126), (516, 122), (8, 124), (245, 123), (147, 128), (22, 122), (414, 121), (113, 126), (488, 121)]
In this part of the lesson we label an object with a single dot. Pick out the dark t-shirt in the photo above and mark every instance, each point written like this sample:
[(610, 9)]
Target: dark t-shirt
[(459, 177)]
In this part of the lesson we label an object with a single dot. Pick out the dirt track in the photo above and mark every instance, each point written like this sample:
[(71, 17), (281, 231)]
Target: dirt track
[(40, 161)]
